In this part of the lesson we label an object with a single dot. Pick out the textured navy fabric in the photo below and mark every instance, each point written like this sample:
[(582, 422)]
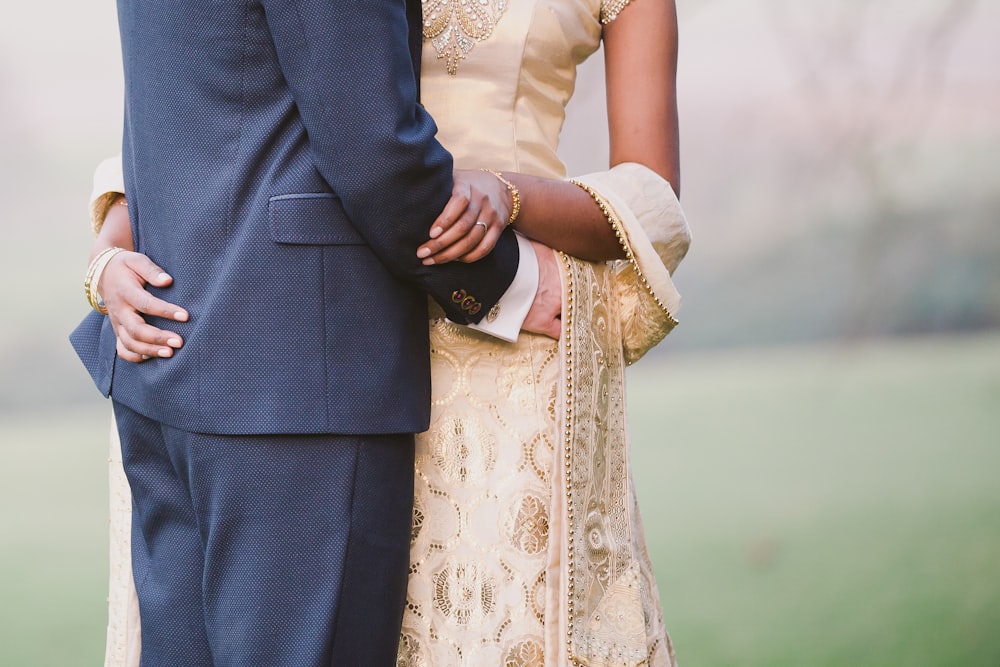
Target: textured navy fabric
[(277, 164), (268, 550)]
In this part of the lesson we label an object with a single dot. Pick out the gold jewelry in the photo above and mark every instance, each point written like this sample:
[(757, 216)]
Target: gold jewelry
[(94, 272), (515, 196)]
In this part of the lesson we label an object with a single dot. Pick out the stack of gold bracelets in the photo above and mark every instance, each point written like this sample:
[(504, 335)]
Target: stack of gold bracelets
[(94, 272), (100, 262)]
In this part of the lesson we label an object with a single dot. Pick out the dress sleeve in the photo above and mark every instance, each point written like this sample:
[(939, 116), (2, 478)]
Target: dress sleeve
[(109, 182), (610, 9)]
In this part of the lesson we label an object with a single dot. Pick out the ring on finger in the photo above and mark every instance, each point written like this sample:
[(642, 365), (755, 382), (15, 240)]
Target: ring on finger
[(486, 227)]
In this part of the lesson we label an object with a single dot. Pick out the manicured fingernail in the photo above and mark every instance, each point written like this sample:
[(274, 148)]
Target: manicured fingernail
[(165, 352), (181, 316), (423, 252), (164, 276), (174, 342), (436, 232), (428, 262), (146, 356)]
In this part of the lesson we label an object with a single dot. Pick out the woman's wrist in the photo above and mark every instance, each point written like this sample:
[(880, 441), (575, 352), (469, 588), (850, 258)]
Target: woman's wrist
[(515, 196), (102, 206), (93, 277), (115, 226)]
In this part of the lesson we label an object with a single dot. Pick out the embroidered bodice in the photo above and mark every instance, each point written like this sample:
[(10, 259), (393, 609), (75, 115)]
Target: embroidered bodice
[(497, 75)]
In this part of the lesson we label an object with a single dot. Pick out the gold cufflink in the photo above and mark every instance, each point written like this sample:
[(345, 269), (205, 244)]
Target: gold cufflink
[(494, 313)]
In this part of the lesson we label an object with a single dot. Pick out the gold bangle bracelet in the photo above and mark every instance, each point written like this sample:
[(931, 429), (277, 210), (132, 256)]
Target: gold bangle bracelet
[(93, 277), (515, 196)]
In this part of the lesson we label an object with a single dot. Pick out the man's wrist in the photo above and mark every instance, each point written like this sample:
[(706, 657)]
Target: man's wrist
[(505, 319)]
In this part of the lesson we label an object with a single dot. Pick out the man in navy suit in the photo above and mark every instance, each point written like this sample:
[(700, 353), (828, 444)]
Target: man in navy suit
[(278, 165)]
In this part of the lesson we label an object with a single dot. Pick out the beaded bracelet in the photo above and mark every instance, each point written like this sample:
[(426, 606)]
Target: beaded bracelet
[(515, 196)]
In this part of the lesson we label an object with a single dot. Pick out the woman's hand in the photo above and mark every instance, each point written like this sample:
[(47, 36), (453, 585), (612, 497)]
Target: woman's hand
[(123, 289), (472, 220)]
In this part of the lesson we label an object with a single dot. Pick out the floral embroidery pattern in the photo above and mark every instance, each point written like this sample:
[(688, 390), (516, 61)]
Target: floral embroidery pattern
[(464, 593), (454, 26), (529, 525), (528, 653)]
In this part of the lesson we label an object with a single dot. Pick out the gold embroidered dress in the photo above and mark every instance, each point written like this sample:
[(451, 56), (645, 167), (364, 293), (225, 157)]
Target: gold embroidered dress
[(526, 544)]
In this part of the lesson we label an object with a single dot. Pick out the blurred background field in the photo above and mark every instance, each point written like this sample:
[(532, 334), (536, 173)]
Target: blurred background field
[(814, 506), (825, 506), (816, 447)]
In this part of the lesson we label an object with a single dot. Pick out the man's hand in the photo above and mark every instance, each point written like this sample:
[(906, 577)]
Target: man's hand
[(122, 288), (545, 315)]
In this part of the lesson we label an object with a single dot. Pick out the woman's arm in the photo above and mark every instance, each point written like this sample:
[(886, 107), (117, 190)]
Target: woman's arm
[(640, 52), (114, 231), (640, 61), (555, 213)]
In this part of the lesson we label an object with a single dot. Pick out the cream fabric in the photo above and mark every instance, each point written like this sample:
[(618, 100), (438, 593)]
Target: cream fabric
[(123, 637), (607, 609), (647, 216), (505, 105), (527, 547), (484, 480)]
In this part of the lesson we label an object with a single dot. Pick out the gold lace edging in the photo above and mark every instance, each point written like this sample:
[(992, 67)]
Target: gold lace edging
[(567, 337), (616, 224), (611, 619)]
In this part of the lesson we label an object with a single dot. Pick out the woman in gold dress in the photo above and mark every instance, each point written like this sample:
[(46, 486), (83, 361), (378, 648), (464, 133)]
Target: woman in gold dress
[(527, 547)]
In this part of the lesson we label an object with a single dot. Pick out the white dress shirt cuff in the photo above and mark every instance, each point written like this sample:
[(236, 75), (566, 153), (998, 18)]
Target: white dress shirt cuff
[(505, 319)]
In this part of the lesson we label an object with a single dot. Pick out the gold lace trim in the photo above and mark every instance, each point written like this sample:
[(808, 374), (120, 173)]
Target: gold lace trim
[(612, 617), (616, 224), (568, 351), (454, 26)]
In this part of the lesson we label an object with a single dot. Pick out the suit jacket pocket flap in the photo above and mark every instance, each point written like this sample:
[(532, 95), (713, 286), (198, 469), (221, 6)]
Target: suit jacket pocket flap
[(311, 219)]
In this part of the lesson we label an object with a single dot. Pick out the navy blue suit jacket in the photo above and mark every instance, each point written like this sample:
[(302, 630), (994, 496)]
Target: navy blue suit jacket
[(278, 166)]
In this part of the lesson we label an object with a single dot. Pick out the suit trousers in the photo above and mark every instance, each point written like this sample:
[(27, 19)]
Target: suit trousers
[(267, 550)]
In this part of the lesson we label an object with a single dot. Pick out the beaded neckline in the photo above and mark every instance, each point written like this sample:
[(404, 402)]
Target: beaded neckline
[(455, 26)]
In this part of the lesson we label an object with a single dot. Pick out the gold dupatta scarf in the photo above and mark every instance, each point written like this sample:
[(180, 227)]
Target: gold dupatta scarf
[(608, 607)]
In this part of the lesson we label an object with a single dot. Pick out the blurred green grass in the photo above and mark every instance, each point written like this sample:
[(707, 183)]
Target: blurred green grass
[(809, 506), (825, 506), (53, 543)]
